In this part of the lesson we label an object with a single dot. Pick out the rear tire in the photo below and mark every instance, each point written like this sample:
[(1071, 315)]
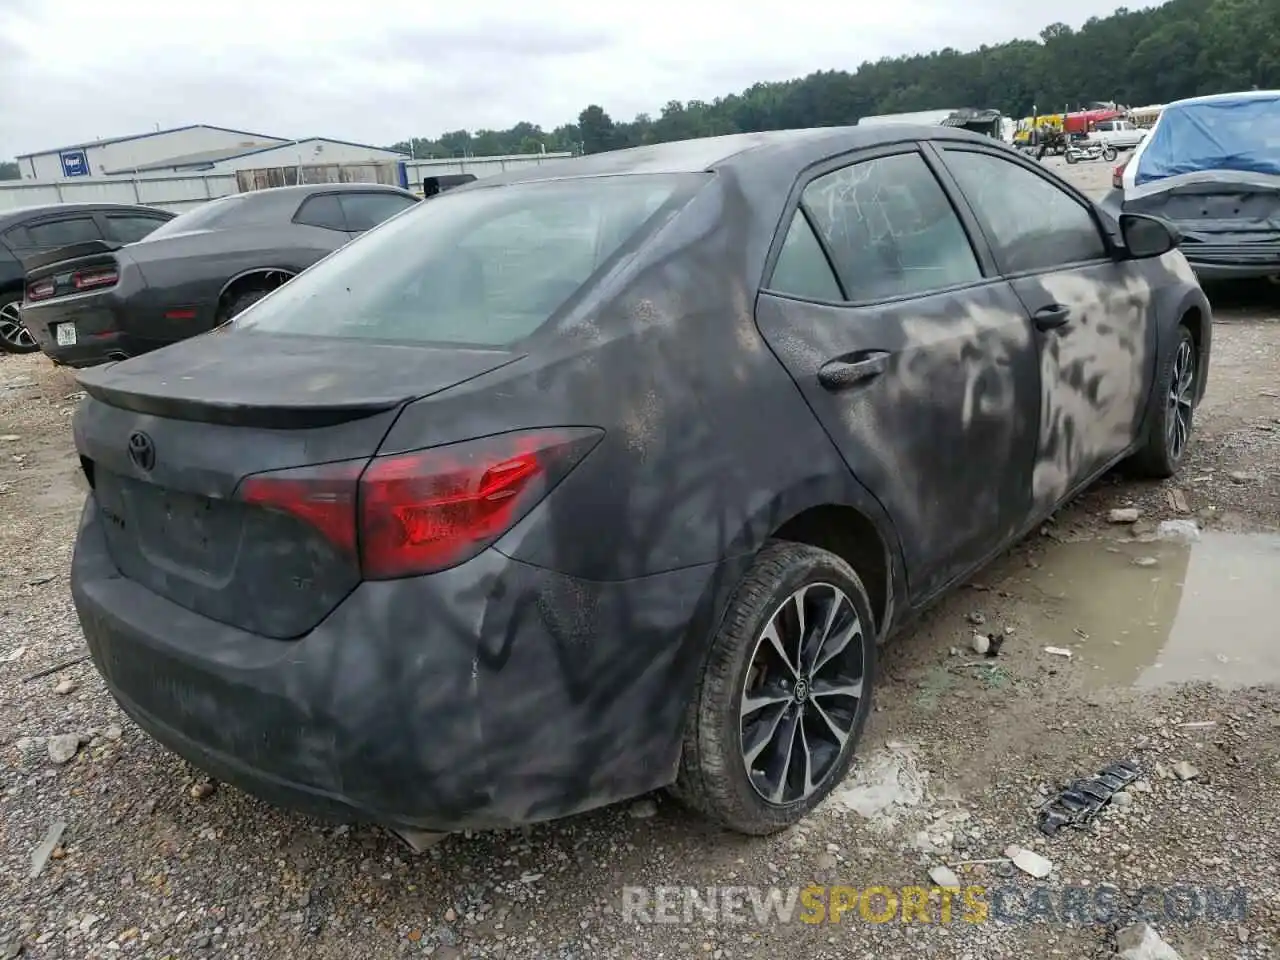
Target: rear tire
[(241, 302), (808, 711), (1170, 434), (1071, 156), (14, 337)]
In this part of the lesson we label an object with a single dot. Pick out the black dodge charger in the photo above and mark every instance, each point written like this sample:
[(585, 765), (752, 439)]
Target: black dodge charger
[(612, 475), (98, 300)]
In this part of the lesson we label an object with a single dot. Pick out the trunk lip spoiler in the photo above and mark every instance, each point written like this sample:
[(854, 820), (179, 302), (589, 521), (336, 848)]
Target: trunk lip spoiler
[(295, 414), (65, 254)]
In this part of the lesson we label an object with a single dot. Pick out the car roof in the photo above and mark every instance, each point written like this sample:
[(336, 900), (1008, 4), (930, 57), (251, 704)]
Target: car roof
[(1239, 96), (310, 188), (781, 148), (16, 215)]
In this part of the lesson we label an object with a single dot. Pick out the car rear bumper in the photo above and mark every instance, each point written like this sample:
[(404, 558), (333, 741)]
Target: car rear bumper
[(493, 694), (1233, 261)]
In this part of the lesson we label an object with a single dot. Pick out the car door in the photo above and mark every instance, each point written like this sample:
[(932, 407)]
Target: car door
[(917, 359), (1092, 314)]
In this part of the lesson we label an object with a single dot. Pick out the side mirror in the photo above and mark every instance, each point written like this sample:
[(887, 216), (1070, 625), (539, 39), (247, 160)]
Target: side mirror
[(1146, 236)]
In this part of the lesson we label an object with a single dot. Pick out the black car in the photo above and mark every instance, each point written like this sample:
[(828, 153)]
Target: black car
[(96, 301), (30, 230), (587, 480)]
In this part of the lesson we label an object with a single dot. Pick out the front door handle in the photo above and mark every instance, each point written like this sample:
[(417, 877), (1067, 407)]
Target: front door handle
[(1051, 317), (847, 371)]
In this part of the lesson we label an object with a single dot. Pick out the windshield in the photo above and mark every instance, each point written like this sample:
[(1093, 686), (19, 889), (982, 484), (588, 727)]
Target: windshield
[(1241, 136), (485, 266)]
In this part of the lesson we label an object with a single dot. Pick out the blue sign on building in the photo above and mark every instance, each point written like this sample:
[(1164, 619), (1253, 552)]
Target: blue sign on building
[(74, 163)]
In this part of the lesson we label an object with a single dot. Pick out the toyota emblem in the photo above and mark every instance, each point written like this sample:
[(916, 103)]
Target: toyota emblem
[(142, 451)]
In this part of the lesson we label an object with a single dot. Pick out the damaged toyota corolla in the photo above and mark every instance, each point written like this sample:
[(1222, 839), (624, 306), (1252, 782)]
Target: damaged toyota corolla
[(1211, 167), (612, 475)]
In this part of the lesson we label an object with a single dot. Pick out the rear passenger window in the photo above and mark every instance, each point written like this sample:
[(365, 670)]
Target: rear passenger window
[(802, 269), (129, 228), (1032, 224), (890, 228), (323, 211), (366, 210)]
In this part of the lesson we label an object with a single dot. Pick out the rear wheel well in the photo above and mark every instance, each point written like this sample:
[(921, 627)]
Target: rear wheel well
[(853, 538), (258, 280), (1193, 320)]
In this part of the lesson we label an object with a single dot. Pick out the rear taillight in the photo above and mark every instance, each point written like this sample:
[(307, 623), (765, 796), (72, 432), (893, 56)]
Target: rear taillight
[(1117, 175), (40, 290), (324, 496), (92, 279), (415, 513)]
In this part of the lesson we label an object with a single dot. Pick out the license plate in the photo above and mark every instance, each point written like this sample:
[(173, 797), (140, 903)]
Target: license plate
[(66, 334)]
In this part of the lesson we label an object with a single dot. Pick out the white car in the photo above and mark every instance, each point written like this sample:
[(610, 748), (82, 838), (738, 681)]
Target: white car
[(1120, 134)]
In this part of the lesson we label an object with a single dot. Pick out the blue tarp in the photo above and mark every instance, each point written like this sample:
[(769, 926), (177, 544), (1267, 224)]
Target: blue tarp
[(1229, 134)]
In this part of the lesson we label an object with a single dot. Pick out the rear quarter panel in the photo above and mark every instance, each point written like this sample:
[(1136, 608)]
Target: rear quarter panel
[(193, 269)]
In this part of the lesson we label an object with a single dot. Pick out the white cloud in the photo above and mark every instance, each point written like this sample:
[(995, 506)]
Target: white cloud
[(74, 70)]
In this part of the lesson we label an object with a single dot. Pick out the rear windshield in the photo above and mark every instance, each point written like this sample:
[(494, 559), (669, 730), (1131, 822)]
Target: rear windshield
[(224, 212), (485, 266), (1240, 136)]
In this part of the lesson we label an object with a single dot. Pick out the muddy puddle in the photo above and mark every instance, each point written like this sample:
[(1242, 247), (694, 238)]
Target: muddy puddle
[(1146, 614)]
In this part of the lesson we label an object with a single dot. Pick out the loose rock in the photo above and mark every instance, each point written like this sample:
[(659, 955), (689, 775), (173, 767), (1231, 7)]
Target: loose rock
[(1124, 515), (1185, 771), (40, 856), (1141, 942), (1031, 863), (643, 809), (1178, 531), (944, 876), (63, 747)]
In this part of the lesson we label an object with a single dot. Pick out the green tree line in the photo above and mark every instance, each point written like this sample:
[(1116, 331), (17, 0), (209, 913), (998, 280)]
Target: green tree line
[(1179, 49), (1182, 48)]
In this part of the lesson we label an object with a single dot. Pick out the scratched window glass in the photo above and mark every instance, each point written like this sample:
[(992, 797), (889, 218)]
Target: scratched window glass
[(891, 230), (1033, 224)]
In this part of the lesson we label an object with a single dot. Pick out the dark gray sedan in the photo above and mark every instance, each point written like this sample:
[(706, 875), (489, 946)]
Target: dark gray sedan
[(613, 474), (95, 301)]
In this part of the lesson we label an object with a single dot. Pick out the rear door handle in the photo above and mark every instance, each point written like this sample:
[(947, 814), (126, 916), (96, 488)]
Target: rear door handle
[(851, 369), (1051, 317)]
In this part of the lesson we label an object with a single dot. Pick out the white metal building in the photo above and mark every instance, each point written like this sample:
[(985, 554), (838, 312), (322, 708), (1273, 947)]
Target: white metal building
[(104, 157), (280, 153)]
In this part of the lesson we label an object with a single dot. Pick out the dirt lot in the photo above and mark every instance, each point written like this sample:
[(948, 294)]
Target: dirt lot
[(1173, 665)]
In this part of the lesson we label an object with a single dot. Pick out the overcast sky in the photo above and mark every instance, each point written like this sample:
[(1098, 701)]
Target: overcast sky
[(380, 71)]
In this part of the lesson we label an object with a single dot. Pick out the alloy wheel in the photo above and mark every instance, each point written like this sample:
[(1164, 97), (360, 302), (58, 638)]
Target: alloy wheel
[(12, 331), (802, 693), (1181, 394)]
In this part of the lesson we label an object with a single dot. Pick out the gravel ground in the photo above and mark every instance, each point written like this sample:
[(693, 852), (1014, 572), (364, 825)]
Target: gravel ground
[(960, 753)]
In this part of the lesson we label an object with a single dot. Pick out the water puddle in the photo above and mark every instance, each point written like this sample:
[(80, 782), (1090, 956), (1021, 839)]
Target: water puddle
[(1145, 614)]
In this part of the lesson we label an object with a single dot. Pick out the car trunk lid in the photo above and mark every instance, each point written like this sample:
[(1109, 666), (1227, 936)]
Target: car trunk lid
[(64, 271), (168, 439), (1217, 212)]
